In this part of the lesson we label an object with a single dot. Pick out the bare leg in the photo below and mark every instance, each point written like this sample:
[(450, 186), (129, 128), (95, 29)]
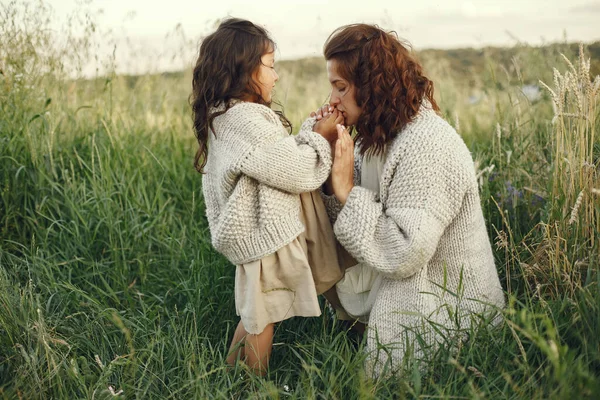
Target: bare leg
[(236, 350), (258, 350)]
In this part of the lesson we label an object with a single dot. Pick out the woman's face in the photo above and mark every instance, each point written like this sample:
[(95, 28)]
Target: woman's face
[(266, 76), (342, 94)]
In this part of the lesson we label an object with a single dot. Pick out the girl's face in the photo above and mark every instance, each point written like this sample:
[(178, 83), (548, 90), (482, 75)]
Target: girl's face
[(266, 76), (342, 95)]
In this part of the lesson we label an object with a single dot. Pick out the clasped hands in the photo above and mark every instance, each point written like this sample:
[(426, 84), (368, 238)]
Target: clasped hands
[(330, 125)]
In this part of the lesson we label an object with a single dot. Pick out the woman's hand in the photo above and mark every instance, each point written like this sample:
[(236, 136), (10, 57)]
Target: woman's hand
[(342, 171), (326, 127)]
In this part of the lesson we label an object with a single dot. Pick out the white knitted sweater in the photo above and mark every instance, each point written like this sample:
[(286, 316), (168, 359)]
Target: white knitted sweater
[(426, 234), (253, 175)]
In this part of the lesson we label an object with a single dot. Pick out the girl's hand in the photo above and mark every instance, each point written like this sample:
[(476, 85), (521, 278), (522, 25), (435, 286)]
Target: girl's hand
[(326, 127), (322, 112), (342, 171)]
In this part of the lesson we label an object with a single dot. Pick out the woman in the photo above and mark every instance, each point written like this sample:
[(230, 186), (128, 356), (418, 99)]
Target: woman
[(417, 220)]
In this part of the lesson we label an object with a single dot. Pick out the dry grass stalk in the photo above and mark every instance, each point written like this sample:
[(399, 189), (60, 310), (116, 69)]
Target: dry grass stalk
[(574, 98), (575, 210)]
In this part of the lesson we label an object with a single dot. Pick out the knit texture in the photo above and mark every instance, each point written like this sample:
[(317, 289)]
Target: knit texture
[(426, 234), (254, 173)]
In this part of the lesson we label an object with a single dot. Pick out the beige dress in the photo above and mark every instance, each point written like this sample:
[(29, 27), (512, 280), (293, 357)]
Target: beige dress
[(286, 283)]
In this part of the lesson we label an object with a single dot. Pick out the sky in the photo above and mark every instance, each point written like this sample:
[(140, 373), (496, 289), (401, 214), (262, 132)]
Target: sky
[(153, 35)]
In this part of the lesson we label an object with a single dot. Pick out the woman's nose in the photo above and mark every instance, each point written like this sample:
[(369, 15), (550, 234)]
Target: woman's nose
[(334, 100)]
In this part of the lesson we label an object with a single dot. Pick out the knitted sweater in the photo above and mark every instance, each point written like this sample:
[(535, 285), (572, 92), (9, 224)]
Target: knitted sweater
[(425, 233), (254, 173)]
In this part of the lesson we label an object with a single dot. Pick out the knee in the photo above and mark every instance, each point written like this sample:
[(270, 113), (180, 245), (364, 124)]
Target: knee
[(268, 329)]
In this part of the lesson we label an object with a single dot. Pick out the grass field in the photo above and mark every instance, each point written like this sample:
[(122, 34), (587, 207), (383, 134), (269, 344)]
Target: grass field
[(109, 285)]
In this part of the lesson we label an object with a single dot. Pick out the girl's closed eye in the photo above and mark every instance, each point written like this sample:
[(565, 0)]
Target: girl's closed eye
[(269, 64)]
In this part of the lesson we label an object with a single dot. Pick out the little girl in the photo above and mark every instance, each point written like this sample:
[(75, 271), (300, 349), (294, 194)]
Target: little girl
[(259, 184)]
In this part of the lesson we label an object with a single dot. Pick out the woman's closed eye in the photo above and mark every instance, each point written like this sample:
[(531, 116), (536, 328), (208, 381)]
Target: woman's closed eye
[(341, 90)]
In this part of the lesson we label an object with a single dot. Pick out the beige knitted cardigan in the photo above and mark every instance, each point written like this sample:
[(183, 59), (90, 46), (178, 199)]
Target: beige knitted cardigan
[(254, 172), (426, 234)]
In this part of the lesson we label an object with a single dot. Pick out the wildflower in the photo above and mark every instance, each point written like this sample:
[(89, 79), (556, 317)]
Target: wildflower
[(513, 192)]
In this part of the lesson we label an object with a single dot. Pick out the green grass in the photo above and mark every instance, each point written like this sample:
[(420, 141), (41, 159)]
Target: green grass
[(108, 280)]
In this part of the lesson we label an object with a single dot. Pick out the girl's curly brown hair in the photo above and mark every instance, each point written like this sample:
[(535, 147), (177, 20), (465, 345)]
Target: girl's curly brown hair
[(389, 83), (224, 72)]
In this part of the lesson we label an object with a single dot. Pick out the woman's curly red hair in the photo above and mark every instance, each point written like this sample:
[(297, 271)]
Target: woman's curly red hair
[(389, 83)]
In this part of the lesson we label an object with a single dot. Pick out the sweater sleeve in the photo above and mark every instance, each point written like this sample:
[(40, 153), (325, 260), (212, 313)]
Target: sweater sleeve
[(424, 195), (294, 164)]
